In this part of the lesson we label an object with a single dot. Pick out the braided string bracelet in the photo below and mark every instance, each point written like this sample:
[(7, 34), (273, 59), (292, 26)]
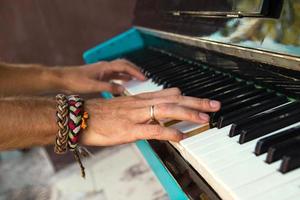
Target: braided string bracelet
[(62, 116), (77, 121)]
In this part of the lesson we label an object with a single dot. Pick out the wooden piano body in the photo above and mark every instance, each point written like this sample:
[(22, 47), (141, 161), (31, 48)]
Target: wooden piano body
[(257, 41)]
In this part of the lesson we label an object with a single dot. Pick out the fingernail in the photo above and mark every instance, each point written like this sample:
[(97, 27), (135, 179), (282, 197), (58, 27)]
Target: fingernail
[(214, 104), (204, 116)]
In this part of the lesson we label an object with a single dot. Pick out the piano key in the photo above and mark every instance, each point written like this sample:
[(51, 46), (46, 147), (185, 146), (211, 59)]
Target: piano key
[(290, 162), (200, 82), (222, 89), (238, 105), (172, 74), (169, 70), (268, 185), (242, 96), (196, 88), (235, 153), (237, 126), (213, 86), (229, 118), (198, 74), (185, 78), (161, 68), (276, 151), (136, 87), (224, 172), (219, 168), (262, 128), (233, 92), (190, 81), (263, 144), (189, 129)]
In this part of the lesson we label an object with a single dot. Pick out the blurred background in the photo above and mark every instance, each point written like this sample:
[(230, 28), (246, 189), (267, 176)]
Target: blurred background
[(57, 32)]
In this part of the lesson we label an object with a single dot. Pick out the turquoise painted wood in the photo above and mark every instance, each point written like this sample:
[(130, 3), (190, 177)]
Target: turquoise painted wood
[(129, 41)]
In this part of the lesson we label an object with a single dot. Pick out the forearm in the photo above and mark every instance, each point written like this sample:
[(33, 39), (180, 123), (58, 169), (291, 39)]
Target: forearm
[(29, 80), (27, 122)]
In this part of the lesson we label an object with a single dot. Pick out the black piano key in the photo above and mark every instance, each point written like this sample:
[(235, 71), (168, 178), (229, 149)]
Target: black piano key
[(191, 88), (183, 76), (253, 120), (140, 56), (164, 67), (175, 72), (150, 67), (240, 104), (237, 98), (212, 86), (186, 87), (150, 62), (290, 162), (161, 78), (195, 79), (265, 143), (287, 147), (222, 89), (232, 93), (186, 78), (229, 118), (268, 126)]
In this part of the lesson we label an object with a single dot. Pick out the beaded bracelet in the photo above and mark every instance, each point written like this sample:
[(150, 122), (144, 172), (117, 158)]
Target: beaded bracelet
[(70, 119)]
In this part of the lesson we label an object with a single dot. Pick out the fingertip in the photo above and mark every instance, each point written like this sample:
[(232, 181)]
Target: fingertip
[(216, 105), (178, 137), (204, 117)]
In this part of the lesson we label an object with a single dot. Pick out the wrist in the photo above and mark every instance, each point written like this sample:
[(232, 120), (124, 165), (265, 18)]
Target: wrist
[(54, 77)]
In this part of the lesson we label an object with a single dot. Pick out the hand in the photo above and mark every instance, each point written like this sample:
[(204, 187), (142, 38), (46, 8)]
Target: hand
[(95, 77), (124, 119)]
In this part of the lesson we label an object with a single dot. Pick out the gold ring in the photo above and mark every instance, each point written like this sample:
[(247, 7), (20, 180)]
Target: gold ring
[(152, 117)]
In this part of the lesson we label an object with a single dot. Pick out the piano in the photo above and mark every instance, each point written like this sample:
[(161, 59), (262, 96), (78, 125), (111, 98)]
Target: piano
[(244, 53)]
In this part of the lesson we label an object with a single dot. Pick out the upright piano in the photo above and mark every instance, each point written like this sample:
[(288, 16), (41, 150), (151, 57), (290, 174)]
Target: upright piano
[(244, 53)]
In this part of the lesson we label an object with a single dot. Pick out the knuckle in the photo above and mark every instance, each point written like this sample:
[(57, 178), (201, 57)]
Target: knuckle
[(157, 131), (204, 103), (163, 108), (191, 115), (176, 91)]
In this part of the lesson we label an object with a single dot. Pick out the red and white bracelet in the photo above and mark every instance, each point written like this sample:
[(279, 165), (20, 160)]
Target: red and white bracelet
[(71, 119)]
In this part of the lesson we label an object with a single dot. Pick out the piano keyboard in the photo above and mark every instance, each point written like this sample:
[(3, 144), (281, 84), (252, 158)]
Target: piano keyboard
[(252, 149)]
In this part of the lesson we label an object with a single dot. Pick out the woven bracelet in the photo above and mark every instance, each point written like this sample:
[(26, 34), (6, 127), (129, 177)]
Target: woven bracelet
[(77, 121), (62, 116)]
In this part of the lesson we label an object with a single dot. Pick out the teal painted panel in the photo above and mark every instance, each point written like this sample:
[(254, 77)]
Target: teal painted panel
[(129, 41), (125, 42), (171, 186)]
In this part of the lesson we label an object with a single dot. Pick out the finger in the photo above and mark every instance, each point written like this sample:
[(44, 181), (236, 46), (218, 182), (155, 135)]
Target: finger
[(172, 96), (204, 105), (168, 111), (126, 67), (162, 93), (157, 132), (108, 87), (122, 77)]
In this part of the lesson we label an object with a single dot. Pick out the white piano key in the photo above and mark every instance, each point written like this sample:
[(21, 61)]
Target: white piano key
[(230, 168), (186, 128), (273, 186), (231, 164), (195, 140), (134, 87)]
